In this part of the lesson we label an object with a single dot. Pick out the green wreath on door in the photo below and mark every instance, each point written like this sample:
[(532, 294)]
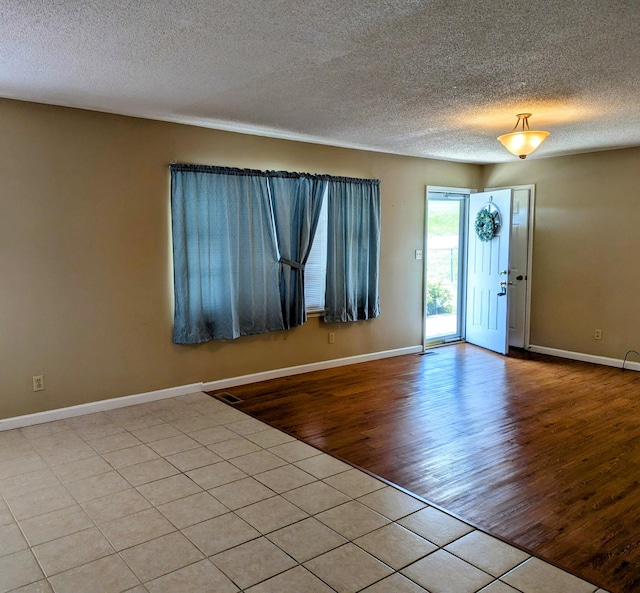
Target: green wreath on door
[(487, 222)]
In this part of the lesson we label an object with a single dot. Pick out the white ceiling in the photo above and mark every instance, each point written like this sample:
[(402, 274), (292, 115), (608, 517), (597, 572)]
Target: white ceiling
[(426, 78)]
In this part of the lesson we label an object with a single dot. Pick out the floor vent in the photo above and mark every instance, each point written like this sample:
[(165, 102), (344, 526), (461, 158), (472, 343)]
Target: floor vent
[(426, 353), (226, 397)]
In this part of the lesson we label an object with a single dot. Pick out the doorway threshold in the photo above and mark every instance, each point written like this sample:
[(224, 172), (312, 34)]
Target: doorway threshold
[(440, 343)]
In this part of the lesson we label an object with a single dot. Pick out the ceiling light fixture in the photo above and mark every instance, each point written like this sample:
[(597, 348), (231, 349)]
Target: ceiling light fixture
[(525, 141)]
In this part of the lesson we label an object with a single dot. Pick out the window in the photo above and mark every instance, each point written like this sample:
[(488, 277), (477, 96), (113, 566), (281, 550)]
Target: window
[(315, 270), (242, 240)]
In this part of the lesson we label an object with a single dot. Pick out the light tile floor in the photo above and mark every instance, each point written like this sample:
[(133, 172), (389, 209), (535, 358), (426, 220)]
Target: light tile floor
[(191, 495)]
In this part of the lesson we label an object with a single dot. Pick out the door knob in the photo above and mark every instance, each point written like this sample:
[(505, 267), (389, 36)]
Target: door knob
[(521, 277)]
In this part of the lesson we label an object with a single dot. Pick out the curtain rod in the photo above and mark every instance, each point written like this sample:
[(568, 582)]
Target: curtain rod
[(257, 173)]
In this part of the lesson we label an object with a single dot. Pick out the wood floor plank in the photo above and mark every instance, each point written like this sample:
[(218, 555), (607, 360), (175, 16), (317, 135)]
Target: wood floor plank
[(541, 451)]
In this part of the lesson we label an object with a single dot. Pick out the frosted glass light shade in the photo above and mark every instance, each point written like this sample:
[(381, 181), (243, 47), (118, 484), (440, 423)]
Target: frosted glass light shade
[(523, 143)]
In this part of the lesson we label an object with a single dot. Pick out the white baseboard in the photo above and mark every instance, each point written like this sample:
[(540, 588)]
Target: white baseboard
[(306, 368), (98, 406), (606, 361), (141, 398)]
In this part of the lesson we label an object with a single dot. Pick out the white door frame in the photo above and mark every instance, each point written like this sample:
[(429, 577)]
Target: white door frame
[(531, 215)]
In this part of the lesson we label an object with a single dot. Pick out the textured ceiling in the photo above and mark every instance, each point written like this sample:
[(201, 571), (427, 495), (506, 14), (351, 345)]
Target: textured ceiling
[(425, 78)]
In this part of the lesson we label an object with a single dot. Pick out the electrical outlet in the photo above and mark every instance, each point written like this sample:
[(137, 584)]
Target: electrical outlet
[(332, 337), (598, 334), (418, 253), (38, 382)]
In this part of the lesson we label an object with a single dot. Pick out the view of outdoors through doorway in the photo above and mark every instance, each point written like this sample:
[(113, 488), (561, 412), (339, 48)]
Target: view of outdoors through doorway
[(445, 267)]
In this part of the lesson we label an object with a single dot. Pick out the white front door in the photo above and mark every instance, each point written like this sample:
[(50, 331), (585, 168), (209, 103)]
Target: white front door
[(487, 313)]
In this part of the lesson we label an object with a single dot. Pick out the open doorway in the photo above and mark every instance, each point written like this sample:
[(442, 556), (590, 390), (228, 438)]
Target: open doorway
[(448, 278), (445, 265)]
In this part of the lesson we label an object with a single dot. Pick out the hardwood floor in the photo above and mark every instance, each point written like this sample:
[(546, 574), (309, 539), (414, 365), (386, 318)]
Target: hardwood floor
[(541, 451)]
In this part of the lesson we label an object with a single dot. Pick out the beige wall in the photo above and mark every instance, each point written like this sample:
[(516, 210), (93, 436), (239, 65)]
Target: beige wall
[(85, 268), (586, 249), (85, 255)]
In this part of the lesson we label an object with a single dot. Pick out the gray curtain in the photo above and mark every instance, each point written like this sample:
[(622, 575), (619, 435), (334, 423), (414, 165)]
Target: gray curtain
[(241, 239), (296, 205), (225, 257), (353, 250)]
